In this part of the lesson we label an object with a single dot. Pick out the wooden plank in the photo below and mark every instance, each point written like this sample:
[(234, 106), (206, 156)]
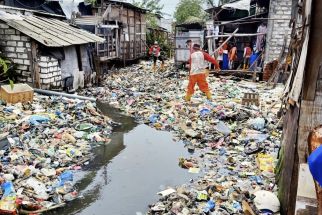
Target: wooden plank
[(226, 41), (287, 168), (311, 116), (314, 58), (36, 68)]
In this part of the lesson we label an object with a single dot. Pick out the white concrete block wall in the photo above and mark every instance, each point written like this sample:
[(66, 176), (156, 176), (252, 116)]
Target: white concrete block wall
[(17, 48), (277, 27), (50, 72)]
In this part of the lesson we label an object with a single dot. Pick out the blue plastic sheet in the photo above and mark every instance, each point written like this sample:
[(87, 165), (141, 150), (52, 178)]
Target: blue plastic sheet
[(209, 206), (64, 177), (154, 118), (204, 112), (8, 189), (37, 119)]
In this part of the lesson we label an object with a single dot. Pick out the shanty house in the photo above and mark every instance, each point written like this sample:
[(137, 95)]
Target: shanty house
[(262, 22), (121, 24), (46, 49)]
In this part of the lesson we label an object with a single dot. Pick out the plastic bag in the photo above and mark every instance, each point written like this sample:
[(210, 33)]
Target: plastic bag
[(265, 162), (153, 118), (64, 177), (257, 123), (209, 206), (37, 119), (8, 189), (8, 205), (223, 128)]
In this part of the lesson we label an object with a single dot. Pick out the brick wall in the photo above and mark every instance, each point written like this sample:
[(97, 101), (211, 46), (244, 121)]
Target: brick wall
[(277, 26), (18, 48), (50, 73)]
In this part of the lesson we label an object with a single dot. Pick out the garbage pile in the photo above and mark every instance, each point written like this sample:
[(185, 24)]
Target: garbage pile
[(233, 147), (42, 144)]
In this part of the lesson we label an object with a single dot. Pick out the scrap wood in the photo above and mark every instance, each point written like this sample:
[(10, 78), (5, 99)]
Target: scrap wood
[(22, 211), (226, 41)]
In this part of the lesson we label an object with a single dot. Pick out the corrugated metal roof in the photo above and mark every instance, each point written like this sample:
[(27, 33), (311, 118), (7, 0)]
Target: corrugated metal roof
[(48, 31)]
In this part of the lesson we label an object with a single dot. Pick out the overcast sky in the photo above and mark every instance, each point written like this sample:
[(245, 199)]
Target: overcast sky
[(169, 6)]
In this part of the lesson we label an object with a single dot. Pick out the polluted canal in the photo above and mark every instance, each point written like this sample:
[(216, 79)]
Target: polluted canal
[(126, 174)]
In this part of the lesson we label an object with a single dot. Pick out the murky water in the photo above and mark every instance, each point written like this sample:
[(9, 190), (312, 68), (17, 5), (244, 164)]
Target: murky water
[(126, 174)]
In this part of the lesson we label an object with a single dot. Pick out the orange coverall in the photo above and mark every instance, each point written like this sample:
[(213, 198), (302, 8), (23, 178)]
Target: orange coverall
[(198, 73)]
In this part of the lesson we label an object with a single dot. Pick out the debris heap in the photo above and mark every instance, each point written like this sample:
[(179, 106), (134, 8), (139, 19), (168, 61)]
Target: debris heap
[(233, 146), (42, 144)]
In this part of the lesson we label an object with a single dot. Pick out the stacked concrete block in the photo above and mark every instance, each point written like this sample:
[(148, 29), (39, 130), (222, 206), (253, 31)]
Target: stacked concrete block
[(17, 47), (50, 73), (277, 28)]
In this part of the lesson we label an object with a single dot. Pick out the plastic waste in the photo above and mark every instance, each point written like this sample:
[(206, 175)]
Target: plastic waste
[(265, 162), (8, 189), (37, 119), (153, 118), (203, 112), (209, 206), (223, 128), (38, 187), (65, 177), (257, 123), (202, 195), (8, 205), (265, 200)]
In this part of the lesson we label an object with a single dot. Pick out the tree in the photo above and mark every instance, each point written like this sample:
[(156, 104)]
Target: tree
[(188, 8), (154, 9)]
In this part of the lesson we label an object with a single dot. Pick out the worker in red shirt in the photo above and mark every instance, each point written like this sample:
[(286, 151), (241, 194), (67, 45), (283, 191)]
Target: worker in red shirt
[(155, 52), (198, 71), (247, 54)]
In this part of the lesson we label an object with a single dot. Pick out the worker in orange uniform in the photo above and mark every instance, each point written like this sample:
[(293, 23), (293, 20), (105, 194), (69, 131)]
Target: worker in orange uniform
[(198, 71), (232, 55), (247, 54), (155, 52)]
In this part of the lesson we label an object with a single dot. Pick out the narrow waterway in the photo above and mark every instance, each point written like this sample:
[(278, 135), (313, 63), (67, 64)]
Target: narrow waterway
[(125, 175)]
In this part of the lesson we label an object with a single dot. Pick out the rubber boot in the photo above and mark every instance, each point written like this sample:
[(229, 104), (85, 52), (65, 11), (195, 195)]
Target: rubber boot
[(154, 68), (188, 97), (208, 94), (162, 66)]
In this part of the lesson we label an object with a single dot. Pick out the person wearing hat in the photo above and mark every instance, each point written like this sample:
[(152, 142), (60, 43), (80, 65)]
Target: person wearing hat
[(155, 52), (189, 45), (197, 73)]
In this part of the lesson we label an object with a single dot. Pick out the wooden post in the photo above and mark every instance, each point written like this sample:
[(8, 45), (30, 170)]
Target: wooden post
[(226, 40), (35, 65)]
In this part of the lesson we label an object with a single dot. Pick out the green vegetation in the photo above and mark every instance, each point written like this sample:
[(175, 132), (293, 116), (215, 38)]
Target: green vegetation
[(7, 70), (154, 9), (187, 9)]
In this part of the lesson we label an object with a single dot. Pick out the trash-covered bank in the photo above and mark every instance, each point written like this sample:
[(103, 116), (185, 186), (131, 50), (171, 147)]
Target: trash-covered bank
[(235, 145), (43, 144)]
